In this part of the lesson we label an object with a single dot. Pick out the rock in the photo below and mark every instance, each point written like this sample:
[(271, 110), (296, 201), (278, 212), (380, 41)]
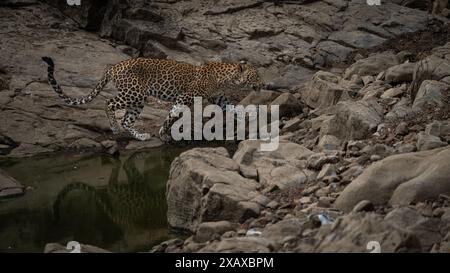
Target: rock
[(400, 73), (428, 142), (374, 90), (327, 170), (367, 79), (58, 248), (364, 205), (111, 147), (284, 177), (356, 39), (329, 142), (279, 168), (353, 120), (438, 128), (323, 90), (353, 232), (372, 65), (251, 244), (288, 105), (283, 231), (292, 125), (259, 98), (325, 202), (377, 149), (394, 92), (402, 129), (406, 148), (9, 187), (154, 142), (424, 228), (400, 180), (273, 204), (317, 161), (85, 143), (431, 93), (204, 186), (434, 68), (207, 230)]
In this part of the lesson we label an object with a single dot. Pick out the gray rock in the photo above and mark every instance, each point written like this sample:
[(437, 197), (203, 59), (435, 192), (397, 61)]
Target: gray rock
[(372, 65), (431, 93), (400, 180), (204, 186), (251, 244), (323, 90), (288, 105), (354, 120), (85, 143), (329, 142), (358, 39), (207, 230), (279, 168), (353, 232), (424, 228), (9, 187), (400, 73), (111, 147), (428, 142), (148, 144), (257, 98), (318, 160)]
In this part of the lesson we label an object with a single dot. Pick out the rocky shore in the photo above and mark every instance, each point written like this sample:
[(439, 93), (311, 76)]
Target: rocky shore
[(365, 163), (363, 90)]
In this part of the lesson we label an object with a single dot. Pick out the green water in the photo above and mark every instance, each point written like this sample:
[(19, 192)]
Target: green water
[(113, 203)]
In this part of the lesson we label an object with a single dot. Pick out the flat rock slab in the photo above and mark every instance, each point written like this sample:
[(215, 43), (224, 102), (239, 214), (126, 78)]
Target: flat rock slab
[(139, 145), (9, 186)]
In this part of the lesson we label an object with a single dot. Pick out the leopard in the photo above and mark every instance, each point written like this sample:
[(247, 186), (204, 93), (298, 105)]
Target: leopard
[(129, 204), (176, 82)]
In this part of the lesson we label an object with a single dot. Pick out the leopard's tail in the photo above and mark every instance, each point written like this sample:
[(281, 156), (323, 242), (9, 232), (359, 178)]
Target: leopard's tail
[(69, 100), (98, 196)]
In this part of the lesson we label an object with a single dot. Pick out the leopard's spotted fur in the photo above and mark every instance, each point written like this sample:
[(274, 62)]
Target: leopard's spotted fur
[(137, 79)]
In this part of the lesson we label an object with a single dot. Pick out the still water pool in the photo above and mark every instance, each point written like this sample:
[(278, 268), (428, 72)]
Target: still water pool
[(113, 203)]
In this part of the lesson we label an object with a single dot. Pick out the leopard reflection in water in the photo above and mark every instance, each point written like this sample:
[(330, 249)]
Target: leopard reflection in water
[(136, 207)]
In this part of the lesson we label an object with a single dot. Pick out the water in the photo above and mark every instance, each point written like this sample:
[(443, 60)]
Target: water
[(116, 204)]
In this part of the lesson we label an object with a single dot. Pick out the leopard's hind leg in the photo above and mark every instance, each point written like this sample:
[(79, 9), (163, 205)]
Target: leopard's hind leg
[(133, 113), (111, 106)]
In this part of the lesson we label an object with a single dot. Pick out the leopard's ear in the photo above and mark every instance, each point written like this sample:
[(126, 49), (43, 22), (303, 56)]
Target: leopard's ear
[(240, 68)]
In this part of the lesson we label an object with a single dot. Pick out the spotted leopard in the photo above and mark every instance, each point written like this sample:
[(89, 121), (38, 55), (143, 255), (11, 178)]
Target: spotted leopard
[(168, 80)]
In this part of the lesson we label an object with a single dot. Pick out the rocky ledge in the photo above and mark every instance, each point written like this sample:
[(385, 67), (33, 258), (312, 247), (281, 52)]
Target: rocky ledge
[(368, 159), (293, 38)]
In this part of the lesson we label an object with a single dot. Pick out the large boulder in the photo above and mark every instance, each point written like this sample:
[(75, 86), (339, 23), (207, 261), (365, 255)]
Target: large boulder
[(400, 180), (431, 93), (354, 120), (323, 90), (400, 73), (205, 186), (372, 65)]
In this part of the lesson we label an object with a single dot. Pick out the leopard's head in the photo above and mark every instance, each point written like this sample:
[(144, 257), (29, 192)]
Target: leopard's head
[(247, 76), (240, 75)]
